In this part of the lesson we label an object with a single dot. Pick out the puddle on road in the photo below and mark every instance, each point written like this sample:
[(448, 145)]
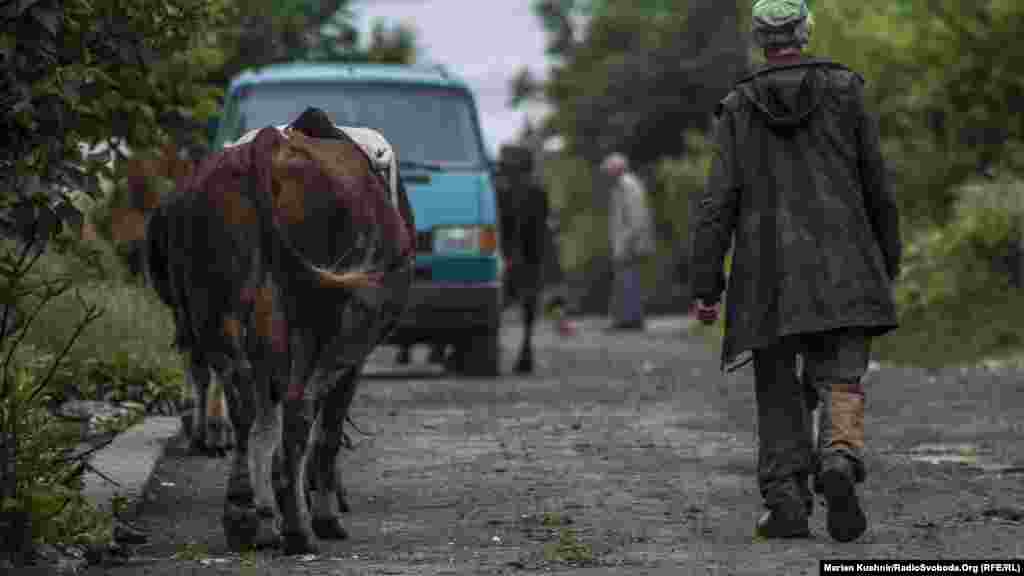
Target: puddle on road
[(968, 455)]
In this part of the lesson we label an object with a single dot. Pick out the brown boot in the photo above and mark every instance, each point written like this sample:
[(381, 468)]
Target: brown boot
[(842, 443)]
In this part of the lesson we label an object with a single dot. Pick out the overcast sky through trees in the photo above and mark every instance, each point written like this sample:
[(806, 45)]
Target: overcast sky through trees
[(485, 42)]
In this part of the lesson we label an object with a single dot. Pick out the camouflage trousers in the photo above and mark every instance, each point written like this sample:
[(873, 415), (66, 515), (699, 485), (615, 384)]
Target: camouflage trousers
[(829, 380)]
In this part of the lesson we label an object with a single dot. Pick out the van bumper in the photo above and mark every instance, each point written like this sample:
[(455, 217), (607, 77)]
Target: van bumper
[(445, 312)]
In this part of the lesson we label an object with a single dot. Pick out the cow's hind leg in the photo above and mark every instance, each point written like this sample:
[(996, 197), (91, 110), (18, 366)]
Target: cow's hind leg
[(240, 520), (404, 356), (329, 500), (197, 375), (264, 441), (299, 416), (525, 363)]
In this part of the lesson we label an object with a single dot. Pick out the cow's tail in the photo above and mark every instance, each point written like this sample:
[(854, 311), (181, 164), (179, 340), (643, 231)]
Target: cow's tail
[(279, 253)]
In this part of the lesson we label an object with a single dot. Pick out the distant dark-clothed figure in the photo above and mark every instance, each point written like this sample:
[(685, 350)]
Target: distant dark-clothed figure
[(632, 239), (798, 188), (523, 210)]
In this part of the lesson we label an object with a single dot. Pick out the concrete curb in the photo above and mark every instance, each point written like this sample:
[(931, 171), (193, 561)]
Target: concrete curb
[(129, 461)]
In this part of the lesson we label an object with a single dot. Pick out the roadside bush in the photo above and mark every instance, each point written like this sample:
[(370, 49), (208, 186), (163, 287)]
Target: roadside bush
[(678, 184), (957, 296), (125, 355), (75, 329), (50, 463), (38, 478)]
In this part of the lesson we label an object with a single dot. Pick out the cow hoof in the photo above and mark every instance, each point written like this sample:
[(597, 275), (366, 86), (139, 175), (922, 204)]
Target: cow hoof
[(199, 448), (404, 357), (296, 543), (437, 355), (219, 436), (240, 493), (524, 366), (241, 527), (329, 528), (267, 535)]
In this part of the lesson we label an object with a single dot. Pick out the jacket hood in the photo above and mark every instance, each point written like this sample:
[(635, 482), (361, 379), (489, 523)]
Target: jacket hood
[(787, 93)]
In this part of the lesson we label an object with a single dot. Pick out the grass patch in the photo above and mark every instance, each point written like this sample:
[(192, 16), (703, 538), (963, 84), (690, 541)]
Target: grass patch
[(134, 324), (938, 341), (126, 353), (192, 551), (568, 549), (554, 519), (950, 336)]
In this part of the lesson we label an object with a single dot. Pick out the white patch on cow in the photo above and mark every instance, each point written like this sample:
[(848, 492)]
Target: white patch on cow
[(301, 483), (263, 441), (377, 148), (381, 153)]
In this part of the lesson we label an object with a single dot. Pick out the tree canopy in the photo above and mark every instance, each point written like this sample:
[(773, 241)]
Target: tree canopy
[(638, 75)]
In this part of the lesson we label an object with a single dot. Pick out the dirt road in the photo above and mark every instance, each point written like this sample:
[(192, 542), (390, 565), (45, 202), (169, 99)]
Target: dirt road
[(622, 455)]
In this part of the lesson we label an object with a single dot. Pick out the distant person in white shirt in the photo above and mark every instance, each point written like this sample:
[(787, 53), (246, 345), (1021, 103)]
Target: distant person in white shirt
[(632, 238)]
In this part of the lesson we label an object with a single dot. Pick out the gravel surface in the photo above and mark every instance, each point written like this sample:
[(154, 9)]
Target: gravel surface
[(624, 454)]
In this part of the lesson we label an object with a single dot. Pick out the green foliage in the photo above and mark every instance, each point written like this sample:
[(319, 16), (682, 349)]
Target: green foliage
[(259, 34), (955, 295), (125, 354), (573, 190), (631, 81), (943, 84), (56, 347), (636, 78), (678, 183), (49, 476), (90, 72), (39, 470)]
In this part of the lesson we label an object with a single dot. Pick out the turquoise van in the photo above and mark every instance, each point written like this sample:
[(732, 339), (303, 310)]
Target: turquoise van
[(430, 118)]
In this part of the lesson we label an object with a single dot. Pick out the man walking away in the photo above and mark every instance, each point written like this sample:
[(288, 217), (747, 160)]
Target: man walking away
[(632, 240), (798, 186)]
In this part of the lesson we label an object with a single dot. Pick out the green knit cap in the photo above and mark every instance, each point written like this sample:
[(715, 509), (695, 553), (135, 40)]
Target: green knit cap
[(777, 13), (780, 22)]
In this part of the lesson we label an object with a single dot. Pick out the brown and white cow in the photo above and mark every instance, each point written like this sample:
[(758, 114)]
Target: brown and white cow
[(286, 258)]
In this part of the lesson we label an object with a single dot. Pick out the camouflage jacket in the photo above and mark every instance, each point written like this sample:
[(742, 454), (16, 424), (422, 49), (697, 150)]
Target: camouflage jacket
[(798, 189)]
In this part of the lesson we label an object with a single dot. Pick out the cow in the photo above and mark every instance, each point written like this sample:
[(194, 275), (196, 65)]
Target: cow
[(524, 209), (286, 258)]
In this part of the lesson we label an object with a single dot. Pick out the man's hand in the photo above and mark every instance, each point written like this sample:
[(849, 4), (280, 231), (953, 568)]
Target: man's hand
[(706, 313)]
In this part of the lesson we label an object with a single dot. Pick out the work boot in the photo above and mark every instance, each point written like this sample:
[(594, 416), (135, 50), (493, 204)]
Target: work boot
[(846, 520), (805, 494), (839, 470), (784, 521), (789, 506)]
